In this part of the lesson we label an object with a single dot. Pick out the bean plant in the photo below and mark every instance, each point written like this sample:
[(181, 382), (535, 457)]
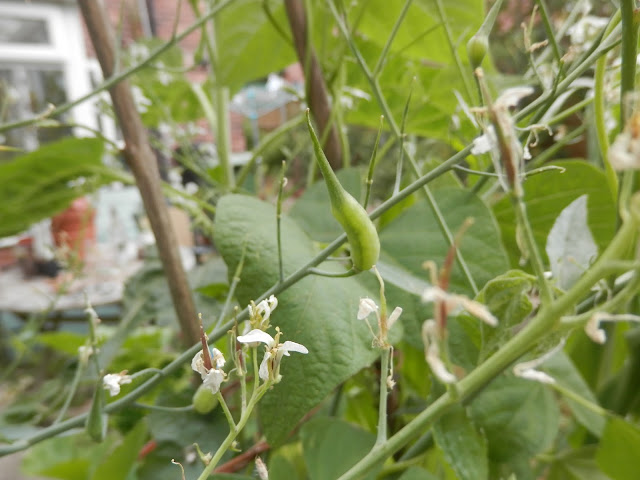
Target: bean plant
[(458, 301)]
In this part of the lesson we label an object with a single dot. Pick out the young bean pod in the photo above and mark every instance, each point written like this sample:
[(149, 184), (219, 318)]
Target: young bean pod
[(361, 233)]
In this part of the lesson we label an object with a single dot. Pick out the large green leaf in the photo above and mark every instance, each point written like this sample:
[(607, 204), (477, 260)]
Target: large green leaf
[(465, 449), (45, 181), (249, 47), (619, 450), (548, 194), (518, 417), (560, 367), (121, 461), (318, 312), (577, 465), (332, 446), (70, 457)]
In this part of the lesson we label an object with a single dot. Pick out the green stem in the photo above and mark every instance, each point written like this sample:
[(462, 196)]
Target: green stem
[(532, 248), (372, 164), (227, 412), (454, 51), (394, 31), (278, 220), (382, 401), (628, 56), (599, 113), (233, 433), (72, 391), (544, 13), (597, 409)]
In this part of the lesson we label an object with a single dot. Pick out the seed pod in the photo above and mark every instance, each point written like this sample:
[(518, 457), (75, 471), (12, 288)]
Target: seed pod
[(361, 233), (97, 420), (204, 400)]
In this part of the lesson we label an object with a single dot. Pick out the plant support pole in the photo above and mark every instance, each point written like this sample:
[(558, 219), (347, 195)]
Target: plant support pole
[(315, 87), (142, 162)]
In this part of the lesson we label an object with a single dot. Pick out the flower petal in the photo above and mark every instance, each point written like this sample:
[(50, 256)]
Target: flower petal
[(197, 364), (213, 379), (257, 335), (366, 308), (263, 372), (217, 358), (293, 347), (394, 316)]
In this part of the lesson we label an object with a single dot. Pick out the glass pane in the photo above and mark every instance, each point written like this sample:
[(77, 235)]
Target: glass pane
[(25, 91), (23, 30)]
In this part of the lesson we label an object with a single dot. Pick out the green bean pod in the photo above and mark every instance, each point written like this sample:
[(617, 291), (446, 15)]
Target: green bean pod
[(361, 233), (204, 400)]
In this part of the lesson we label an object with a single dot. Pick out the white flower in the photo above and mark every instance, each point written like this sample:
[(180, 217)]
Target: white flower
[(112, 382), (453, 302), (366, 308), (84, 353), (211, 377), (597, 334), (270, 366), (432, 352)]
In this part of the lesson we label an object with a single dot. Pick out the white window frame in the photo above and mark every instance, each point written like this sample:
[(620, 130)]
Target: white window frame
[(66, 51)]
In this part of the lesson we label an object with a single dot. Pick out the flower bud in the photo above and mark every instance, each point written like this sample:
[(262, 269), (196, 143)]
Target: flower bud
[(477, 48)]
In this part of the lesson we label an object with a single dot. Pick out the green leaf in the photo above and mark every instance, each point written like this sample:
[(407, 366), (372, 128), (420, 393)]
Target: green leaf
[(331, 447), (69, 457), (63, 341), (465, 449), (619, 450), (37, 185), (546, 195), (249, 45), (570, 245), (121, 461), (560, 367), (518, 417), (507, 297), (417, 473), (317, 312), (577, 465)]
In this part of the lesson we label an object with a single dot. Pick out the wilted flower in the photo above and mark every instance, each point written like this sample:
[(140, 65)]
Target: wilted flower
[(432, 352), (366, 307), (112, 382), (453, 302), (528, 370), (270, 366), (597, 334)]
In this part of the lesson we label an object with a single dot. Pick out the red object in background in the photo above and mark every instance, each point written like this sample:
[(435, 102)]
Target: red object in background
[(75, 227)]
